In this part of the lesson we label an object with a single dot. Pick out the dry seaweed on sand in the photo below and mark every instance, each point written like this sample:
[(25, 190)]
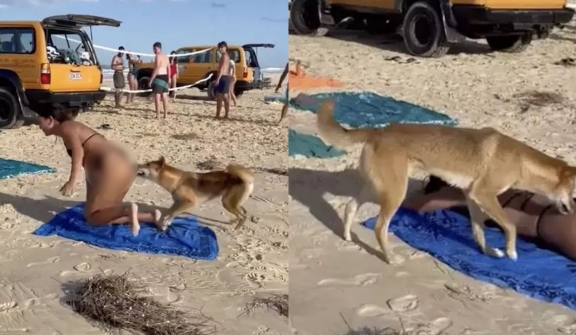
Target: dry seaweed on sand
[(114, 302), (539, 98), (275, 302)]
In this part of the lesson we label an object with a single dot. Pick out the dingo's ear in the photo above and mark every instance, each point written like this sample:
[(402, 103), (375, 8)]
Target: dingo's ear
[(162, 161)]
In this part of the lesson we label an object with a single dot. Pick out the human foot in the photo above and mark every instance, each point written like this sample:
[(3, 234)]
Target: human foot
[(134, 219)]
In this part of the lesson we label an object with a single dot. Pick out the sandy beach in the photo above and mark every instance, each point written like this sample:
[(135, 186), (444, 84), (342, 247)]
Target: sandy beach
[(339, 287), (252, 262)]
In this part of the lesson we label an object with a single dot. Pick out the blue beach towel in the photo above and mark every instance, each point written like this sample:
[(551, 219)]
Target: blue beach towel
[(369, 110), (184, 237), (310, 146), (11, 168), (447, 236)]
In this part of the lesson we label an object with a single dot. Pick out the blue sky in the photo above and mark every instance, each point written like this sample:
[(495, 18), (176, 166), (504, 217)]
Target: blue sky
[(175, 23)]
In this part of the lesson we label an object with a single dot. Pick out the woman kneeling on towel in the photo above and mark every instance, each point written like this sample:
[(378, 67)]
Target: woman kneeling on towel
[(109, 172), (534, 217)]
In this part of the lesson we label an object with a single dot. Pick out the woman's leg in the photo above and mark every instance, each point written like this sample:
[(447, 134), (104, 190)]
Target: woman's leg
[(231, 91), (104, 201), (133, 88), (174, 85), (129, 87), (558, 232)]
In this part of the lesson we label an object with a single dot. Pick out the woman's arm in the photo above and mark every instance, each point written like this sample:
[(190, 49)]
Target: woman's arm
[(73, 143), (446, 197)]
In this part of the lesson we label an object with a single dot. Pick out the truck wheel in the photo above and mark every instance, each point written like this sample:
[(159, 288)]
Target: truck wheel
[(305, 16), (238, 92), (144, 84), (210, 90), (513, 44), (424, 32), (10, 115)]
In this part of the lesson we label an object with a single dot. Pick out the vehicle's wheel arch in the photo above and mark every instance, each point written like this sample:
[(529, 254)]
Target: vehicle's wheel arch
[(11, 80), (146, 72), (205, 84)]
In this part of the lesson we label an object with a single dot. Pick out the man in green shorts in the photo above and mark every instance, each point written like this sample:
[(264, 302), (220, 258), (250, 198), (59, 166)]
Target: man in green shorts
[(160, 80)]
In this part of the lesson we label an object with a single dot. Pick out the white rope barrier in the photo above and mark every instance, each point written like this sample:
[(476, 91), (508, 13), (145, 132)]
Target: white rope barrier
[(110, 89), (132, 52)]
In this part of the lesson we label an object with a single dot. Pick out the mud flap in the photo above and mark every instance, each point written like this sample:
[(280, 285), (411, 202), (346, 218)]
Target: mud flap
[(449, 23), (26, 112)]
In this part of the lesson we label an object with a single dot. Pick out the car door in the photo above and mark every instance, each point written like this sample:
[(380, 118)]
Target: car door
[(251, 55)]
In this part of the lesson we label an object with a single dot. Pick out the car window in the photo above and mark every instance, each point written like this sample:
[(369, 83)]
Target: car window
[(234, 55), (17, 41), (66, 46), (184, 59)]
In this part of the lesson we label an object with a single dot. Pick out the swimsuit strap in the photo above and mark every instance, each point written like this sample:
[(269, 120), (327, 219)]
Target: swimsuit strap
[(89, 137), (514, 196), (530, 196)]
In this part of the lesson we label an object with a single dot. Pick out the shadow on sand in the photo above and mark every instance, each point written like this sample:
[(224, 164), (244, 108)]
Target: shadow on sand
[(43, 210), (309, 186), (395, 43)]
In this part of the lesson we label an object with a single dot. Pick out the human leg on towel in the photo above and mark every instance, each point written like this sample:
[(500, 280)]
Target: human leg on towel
[(160, 88), (534, 217), (109, 171)]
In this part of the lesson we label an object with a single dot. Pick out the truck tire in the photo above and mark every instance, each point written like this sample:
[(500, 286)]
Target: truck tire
[(305, 16), (509, 43), (144, 84), (424, 31), (10, 114), (210, 90)]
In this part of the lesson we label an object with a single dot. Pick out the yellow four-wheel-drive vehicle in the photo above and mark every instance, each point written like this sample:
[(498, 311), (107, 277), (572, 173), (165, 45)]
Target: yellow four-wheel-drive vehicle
[(430, 26), (199, 66), (47, 65)]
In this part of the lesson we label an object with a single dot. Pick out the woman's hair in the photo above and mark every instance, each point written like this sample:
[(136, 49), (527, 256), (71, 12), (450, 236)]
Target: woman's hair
[(60, 115)]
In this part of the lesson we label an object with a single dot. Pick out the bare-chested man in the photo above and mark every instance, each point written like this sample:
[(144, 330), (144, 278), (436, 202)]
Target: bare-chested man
[(160, 80), (119, 82), (223, 81)]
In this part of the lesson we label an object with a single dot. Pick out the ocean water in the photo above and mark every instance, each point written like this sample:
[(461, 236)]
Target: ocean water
[(107, 72)]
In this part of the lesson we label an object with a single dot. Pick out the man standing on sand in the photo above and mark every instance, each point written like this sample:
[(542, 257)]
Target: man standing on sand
[(222, 81), (160, 80), (119, 82), (282, 77)]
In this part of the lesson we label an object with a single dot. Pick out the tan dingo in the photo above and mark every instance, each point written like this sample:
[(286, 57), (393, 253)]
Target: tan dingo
[(190, 189), (482, 162)]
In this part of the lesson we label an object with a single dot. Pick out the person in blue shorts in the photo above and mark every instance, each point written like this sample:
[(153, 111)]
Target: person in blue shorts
[(222, 81)]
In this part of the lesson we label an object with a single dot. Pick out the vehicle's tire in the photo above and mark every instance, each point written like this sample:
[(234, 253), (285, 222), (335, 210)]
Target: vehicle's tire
[(238, 92), (10, 115), (210, 90), (144, 84), (424, 31), (509, 43), (305, 16)]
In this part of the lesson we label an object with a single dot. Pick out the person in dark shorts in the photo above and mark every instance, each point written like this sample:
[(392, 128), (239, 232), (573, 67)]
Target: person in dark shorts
[(160, 80), (223, 81), (118, 77)]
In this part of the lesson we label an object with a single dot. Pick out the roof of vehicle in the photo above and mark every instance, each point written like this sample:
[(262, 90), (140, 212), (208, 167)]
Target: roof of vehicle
[(14, 22), (202, 47)]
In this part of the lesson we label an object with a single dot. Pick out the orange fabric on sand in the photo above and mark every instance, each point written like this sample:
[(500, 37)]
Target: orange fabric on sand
[(298, 80)]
